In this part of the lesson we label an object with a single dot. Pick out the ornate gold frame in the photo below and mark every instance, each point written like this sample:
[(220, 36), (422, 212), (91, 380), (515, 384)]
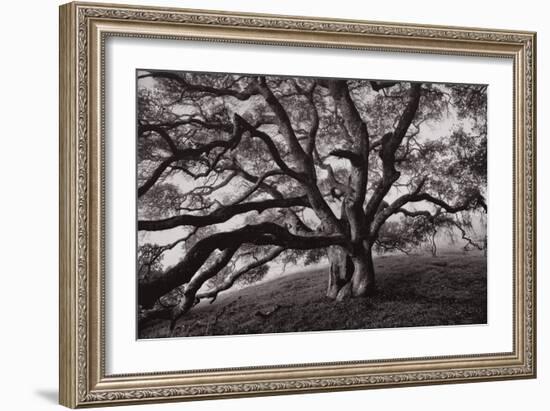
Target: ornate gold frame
[(83, 30)]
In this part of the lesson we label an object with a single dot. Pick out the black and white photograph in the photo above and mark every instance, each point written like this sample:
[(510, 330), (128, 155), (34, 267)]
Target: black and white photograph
[(276, 204)]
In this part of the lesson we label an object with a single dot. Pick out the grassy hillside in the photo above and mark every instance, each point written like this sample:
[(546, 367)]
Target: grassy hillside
[(416, 290)]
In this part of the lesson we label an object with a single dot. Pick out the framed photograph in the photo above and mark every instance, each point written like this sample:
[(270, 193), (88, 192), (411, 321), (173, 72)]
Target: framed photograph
[(259, 204)]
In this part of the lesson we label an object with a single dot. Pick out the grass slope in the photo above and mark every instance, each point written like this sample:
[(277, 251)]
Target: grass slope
[(416, 290)]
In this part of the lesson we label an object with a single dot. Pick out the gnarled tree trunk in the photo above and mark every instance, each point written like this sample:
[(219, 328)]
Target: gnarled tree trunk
[(363, 279), (350, 275), (339, 273)]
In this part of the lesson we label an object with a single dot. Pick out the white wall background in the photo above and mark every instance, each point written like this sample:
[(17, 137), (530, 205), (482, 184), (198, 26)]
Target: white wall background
[(28, 223)]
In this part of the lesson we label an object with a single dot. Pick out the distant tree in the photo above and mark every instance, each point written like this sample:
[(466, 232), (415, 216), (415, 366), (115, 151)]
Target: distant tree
[(257, 169)]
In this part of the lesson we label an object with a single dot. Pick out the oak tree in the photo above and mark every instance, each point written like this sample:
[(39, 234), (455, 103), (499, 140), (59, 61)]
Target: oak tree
[(251, 169)]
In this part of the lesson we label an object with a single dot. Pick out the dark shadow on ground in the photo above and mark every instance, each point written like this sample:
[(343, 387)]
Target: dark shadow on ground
[(413, 291)]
